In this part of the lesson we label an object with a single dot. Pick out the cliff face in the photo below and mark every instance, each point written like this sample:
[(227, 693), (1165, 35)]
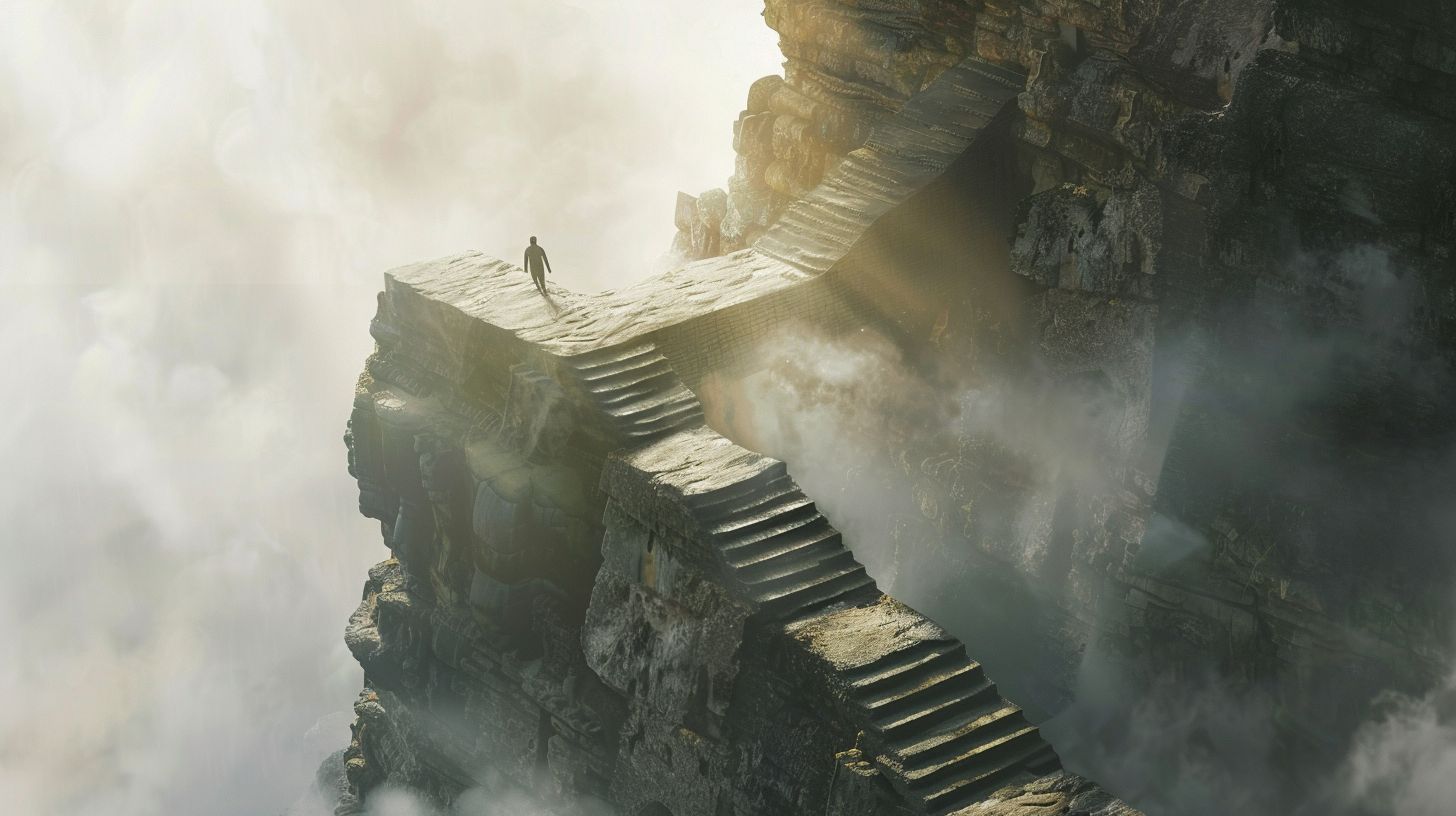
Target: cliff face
[(1232, 227), (595, 598), (1194, 256), (847, 67)]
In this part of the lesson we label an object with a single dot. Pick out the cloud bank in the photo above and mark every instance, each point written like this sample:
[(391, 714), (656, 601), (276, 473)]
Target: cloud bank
[(1194, 745), (196, 202), (1404, 762)]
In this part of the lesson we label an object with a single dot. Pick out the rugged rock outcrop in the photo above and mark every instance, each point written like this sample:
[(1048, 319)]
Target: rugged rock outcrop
[(1200, 251), (693, 637), (847, 66), (1233, 224)]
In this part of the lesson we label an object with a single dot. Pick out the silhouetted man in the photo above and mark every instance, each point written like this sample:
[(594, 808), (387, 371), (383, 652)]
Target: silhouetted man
[(537, 264)]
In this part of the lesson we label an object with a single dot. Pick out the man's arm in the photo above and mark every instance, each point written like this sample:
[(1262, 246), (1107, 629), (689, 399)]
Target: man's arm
[(526, 261), (547, 261)]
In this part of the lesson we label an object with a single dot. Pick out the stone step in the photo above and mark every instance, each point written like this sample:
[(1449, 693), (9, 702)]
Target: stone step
[(893, 667), (857, 592), (955, 734), (831, 561), (679, 417), (925, 684), (974, 782), (746, 501), (657, 372), (704, 503), (933, 709), (994, 751), (600, 359), (616, 399), (765, 514), (652, 404), (816, 593), (842, 226), (686, 415), (791, 546), (742, 546)]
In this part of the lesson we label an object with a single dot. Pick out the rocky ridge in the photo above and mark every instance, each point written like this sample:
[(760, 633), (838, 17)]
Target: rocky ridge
[(1233, 222), (1225, 227)]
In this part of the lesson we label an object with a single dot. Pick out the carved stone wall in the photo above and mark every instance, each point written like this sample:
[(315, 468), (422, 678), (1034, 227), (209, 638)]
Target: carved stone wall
[(691, 636), (1233, 225), (847, 67), (1217, 236)]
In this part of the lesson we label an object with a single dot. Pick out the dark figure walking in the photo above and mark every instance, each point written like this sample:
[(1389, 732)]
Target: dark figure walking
[(537, 264)]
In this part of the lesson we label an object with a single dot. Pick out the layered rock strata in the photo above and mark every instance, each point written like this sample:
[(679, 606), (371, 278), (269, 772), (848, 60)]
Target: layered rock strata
[(848, 66), (692, 638), (1212, 241), (1233, 226)]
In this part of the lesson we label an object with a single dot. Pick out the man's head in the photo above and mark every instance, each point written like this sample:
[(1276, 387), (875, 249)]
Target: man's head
[(533, 240)]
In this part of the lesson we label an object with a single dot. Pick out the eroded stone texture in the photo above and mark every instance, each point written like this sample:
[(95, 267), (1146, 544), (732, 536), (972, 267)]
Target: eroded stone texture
[(693, 636), (1234, 222), (1225, 196), (1217, 234), (848, 66)]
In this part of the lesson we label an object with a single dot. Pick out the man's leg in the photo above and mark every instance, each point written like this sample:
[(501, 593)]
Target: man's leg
[(540, 282)]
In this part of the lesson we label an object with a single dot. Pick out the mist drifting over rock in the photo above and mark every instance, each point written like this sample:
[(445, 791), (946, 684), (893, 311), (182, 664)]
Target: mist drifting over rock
[(1146, 398), (199, 199)]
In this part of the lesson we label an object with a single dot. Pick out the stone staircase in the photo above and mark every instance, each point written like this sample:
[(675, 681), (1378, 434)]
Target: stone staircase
[(902, 154), (938, 728), (777, 544), (948, 738), (636, 390)]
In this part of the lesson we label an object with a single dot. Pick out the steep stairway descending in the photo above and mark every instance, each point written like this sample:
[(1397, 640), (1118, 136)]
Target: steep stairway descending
[(772, 539), (948, 737), (791, 561), (636, 390), (902, 154), (944, 736), (937, 727)]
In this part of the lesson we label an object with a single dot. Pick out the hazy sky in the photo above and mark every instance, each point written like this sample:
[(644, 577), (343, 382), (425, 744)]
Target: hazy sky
[(198, 201)]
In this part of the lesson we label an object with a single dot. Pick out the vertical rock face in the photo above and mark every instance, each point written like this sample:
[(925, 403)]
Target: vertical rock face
[(847, 67), (595, 600), (1184, 269), (1234, 225)]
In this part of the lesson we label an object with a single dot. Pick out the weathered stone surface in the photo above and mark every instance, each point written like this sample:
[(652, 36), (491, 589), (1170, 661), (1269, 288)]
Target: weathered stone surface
[(854, 638), (1230, 230), (1235, 223), (719, 595), (724, 654), (850, 66)]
